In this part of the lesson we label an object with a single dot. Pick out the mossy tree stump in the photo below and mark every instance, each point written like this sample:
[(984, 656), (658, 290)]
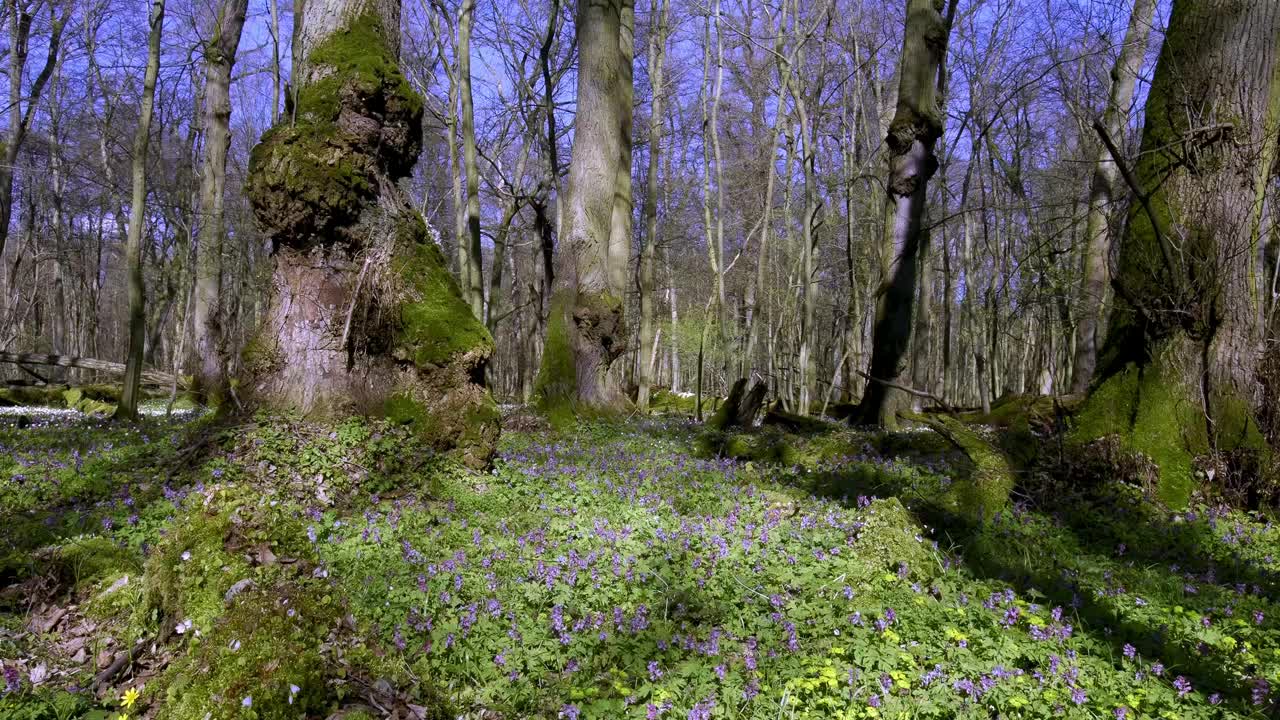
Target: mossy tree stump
[(364, 316)]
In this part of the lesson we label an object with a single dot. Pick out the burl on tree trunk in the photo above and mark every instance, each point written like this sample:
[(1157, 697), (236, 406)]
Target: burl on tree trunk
[(364, 316)]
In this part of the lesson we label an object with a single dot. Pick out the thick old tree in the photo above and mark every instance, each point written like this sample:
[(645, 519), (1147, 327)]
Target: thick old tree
[(586, 330), (364, 317), (1178, 374)]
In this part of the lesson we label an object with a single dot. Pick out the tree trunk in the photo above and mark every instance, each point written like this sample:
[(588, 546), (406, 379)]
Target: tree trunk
[(1178, 371), (20, 114), (473, 286), (619, 251), (210, 375), (1102, 190), (363, 316), (586, 330), (916, 127), (128, 407), (657, 48)]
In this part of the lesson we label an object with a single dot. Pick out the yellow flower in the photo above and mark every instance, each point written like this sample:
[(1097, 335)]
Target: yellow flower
[(129, 698)]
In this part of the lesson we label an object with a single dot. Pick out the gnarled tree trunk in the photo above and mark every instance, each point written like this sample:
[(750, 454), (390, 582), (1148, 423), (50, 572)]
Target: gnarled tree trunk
[(1178, 372), (364, 316)]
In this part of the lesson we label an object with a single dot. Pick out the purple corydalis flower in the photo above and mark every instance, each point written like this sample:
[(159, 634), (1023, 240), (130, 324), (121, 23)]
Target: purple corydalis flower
[(1182, 685), (1130, 651)]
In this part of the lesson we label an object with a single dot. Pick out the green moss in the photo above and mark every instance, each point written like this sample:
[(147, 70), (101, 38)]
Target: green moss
[(260, 354), (190, 572), (82, 561), (436, 324), (1150, 414), (556, 386), (312, 174), (262, 659), (986, 491), (357, 55)]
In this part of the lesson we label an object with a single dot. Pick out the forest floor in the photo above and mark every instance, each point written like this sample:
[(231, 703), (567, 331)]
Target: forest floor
[(190, 568)]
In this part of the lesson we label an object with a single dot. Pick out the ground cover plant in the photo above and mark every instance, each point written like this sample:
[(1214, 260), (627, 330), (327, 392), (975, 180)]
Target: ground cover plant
[(275, 568)]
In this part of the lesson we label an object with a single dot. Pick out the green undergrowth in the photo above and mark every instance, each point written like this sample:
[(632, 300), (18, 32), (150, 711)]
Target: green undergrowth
[(640, 569)]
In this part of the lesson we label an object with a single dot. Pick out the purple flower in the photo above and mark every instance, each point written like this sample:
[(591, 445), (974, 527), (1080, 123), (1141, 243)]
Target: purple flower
[(1182, 685), (1258, 617), (1121, 712), (1078, 696), (1261, 690), (655, 672), (874, 701), (570, 712), (1157, 669), (1130, 651), (702, 711)]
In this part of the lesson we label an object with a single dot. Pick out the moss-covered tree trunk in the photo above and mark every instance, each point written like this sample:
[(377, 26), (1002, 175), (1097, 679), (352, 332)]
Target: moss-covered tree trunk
[(586, 331), (1103, 189), (1178, 371), (364, 317)]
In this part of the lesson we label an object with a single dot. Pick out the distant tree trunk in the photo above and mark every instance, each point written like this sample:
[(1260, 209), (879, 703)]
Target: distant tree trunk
[(916, 127), (675, 323), (20, 114), (620, 223), (210, 376), (1177, 376), (921, 377), (1102, 191), (474, 276), (128, 407), (657, 48), (586, 330), (364, 315), (756, 291)]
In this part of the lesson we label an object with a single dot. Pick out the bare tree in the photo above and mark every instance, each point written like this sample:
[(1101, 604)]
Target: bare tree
[(210, 376)]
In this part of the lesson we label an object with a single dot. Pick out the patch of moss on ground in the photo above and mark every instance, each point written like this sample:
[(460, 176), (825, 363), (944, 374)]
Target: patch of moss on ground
[(986, 491), (261, 659)]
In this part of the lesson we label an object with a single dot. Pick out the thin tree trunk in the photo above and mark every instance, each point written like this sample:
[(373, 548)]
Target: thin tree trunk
[(128, 407), (648, 342), (1102, 190), (474, 275), (916, 127), (619, 251), (210, 372)]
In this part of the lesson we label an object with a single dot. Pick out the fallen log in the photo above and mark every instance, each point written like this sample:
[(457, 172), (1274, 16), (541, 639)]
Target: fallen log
[(149, 377)]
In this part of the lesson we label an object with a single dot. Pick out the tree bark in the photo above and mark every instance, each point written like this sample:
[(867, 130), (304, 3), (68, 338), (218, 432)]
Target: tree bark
[(128, 407), (474, 276), (645, 279), (586, 330), (916, 127), (1102, 191), (619, 251), (364, 317), (210, 375), (1178, 372)]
